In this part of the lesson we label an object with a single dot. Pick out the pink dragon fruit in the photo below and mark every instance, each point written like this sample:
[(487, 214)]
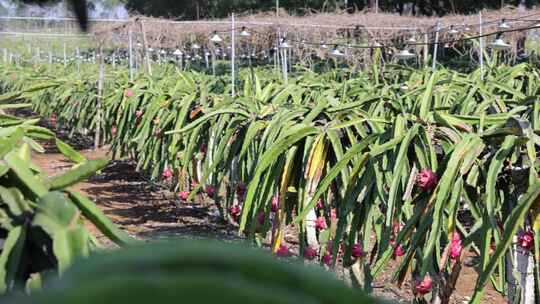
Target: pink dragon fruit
[(129, 93), (167, 174), (320, 223), (210, 191), (275, 204), (356, 251), (283, 251), (327, 259), (310, 253), (423, 287), (261, 218), (399, 251), (526, 240), (455, 246), (184, 195), (235, 211), (427, 180)]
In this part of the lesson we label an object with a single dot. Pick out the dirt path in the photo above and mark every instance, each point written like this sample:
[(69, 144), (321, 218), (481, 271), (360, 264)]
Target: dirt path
[(143, 210)]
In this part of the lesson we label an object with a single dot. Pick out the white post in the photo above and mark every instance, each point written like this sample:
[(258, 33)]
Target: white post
[(130, 41), (232, 55), (213, 62), (525, 263), (284, 66), (181, 62), (78, 59), (436, 46), (481, 55), (65, 55), (101, 80)]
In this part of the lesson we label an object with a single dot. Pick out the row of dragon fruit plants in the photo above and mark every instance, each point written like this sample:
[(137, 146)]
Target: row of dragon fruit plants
[(398, 164)]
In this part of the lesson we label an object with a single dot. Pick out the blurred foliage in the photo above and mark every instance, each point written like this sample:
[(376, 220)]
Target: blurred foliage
[(194, 272)]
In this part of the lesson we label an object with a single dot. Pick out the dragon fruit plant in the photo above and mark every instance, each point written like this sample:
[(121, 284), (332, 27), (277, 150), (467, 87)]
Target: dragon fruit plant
[(453, 156)]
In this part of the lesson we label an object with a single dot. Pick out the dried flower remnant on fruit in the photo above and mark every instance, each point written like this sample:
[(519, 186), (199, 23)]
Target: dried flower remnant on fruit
[(333, 214), (240, 189), (320, 205), (398, 248), (139, 114), (52, 120), (158, 133), (427, 180), (114, 131), (396, 228)]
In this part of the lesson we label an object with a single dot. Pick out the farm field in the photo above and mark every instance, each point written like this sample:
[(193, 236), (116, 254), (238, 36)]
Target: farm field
[(401, 169), (273, 164)]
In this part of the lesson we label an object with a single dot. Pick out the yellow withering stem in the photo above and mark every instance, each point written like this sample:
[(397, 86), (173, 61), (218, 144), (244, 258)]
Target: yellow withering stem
[(277, 231), (315, 167)]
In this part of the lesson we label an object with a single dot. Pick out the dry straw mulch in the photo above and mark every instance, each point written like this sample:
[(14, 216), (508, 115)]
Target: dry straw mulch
[(339, 27)]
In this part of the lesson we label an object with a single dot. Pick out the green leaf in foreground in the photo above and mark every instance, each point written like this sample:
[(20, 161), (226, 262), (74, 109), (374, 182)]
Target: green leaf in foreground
[(69, 152), (78, 173), (98, 218)]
